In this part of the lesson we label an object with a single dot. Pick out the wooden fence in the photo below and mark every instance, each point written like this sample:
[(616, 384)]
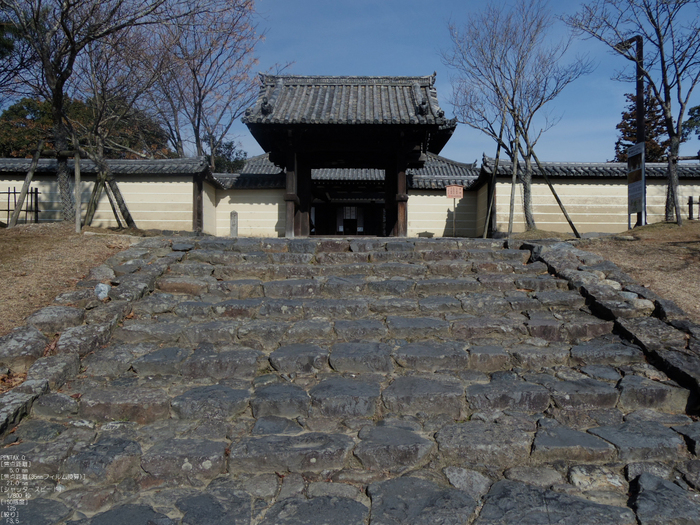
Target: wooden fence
[(30, 208)]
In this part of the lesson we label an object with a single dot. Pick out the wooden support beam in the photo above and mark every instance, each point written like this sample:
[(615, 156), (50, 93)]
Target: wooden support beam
[(390, 205), (401, 203), (303, 214), (290, 198)]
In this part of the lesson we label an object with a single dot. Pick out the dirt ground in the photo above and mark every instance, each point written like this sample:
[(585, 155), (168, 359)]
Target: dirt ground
[(38, 262), (662, 257)]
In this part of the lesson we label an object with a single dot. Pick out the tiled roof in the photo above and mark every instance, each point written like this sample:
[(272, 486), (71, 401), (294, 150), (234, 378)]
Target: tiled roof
[(593, 169), (188, 166), (347, 100), (438, 172)]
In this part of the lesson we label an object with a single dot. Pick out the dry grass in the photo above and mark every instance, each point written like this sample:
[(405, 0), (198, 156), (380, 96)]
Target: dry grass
[(40, 261), (662, 257)]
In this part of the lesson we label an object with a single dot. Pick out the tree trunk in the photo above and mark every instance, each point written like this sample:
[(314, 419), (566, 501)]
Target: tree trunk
[(494, 179), (672, 198), (60, 138), (513, 185), (527, 195)]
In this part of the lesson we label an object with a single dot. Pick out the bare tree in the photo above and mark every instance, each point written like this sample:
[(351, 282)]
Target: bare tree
[(113, 74), (58, 32), (671, 28), (506, 72), (208, 81)]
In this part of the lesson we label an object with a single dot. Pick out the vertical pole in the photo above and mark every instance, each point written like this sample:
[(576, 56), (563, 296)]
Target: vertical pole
[(76, 159), (401, 203), (454, 215), (641, 133), (303, 171), (36, 205), (690, 208)]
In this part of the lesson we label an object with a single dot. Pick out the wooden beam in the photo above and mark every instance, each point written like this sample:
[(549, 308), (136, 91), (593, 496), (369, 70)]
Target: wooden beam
[(290, 198), (303, 214), (401, 203)]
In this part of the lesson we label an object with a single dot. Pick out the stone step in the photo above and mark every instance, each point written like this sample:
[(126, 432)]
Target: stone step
[(304, 380)]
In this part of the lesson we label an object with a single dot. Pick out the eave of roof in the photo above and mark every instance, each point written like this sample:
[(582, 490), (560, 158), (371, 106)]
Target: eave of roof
[(186, 166), (592, 169), (437, 173)]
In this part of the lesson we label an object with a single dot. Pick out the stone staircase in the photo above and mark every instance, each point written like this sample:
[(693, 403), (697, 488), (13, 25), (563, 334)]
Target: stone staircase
[(356, 381)]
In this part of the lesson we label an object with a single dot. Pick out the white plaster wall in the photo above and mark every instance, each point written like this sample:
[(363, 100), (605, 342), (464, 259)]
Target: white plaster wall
[(430, 214), (261, 213)]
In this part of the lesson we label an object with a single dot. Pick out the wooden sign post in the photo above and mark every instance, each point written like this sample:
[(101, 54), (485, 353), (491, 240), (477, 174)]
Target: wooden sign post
[(454, 192)]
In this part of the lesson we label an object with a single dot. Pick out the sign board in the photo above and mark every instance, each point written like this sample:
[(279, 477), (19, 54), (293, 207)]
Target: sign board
[(636, 179), (455, 191)]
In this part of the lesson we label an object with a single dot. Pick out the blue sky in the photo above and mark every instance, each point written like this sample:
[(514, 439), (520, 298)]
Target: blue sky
[(405, 37)]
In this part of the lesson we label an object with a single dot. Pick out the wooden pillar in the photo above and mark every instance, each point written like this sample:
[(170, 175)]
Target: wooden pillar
[(401, 203), (290, 197), (390, 191), (302, 225)]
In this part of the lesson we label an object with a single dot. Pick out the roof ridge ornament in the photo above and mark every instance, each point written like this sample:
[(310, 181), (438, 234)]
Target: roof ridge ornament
[(266, 108)]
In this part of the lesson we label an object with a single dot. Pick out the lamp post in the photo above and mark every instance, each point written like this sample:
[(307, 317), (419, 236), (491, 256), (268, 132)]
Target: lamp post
[(641, 131)]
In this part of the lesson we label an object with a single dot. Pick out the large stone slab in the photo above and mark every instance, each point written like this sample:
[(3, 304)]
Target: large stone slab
[(484, 444), (416, 395), (658, 501), (555, 442), (418, 328), (639, 392), (317, 511), (312, 452), (21, 347), (233, 509), (643, 441), (602, 352), (299, 358), (52, 319), (56, 369), (360, 330), (414, 501), (489, 326), (361, 357), (164, 361), (388, 448), (149, 332), (345, 397), (110, 460), (175, 459), (83, 339), (214, 401), (515, 502), (432, 356), (282, 399), (691, 433), (140, 404), (508, 393), (231, 362), (262, 335)]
